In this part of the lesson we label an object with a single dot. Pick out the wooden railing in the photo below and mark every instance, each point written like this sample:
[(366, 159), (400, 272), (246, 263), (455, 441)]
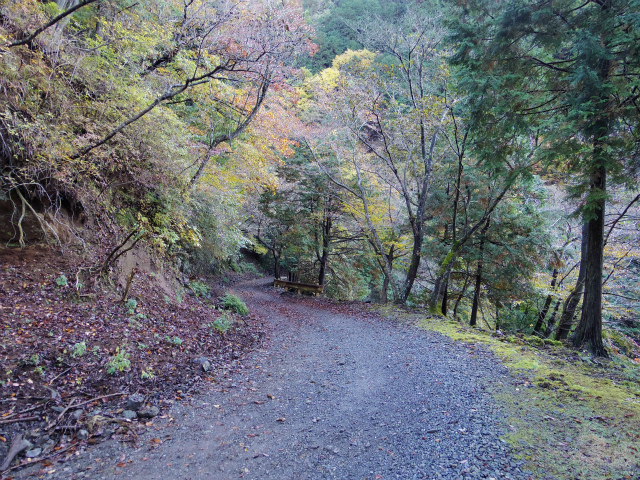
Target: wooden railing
[(299, 287)]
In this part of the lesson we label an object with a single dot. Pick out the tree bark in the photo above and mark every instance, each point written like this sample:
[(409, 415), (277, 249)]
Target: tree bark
[(445, 298), (588, 333), (571, 303), (476, 292), (462, 294), (552, 321), (385, 287), (276, 265), (326, 237)]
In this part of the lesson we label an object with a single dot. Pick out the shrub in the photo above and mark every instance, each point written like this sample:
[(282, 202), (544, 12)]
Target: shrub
[(177, 341), (200, 289), (222, 323), (131, 306), (119, 363), (79, 349), (248, 267), (232, 302), (62, 281)]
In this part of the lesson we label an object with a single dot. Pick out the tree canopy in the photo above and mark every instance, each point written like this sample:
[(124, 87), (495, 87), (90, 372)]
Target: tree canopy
[(475, 159)]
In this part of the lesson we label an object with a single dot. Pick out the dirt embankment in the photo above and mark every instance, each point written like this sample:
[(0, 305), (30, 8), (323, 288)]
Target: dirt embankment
[(72, 351)]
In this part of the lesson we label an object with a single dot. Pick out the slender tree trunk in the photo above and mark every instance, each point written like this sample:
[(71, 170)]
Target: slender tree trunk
[(543, 313), (412, 272), (326, 236), (447, 264), (571, 303), (476, 292), (552, 321), (445, 298), (383, 294), (276, 265), (385, 283)]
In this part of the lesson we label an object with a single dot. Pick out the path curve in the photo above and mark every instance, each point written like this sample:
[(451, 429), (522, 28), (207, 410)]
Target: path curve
[(331, 395)]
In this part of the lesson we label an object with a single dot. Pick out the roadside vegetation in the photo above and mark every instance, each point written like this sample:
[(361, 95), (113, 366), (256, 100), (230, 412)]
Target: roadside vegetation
[(569, 415)]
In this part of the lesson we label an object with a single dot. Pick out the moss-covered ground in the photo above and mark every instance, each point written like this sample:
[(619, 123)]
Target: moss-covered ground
[(569, 416)]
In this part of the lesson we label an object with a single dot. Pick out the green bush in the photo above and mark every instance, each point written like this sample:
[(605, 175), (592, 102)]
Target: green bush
[(119, 363), (222, 323), (200, 289), (177, 341), (78, 349), (232, 302), (131, 306), (248, 267)]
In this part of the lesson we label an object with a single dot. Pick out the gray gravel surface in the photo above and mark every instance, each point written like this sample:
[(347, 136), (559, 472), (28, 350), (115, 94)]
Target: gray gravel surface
[(330, 394)]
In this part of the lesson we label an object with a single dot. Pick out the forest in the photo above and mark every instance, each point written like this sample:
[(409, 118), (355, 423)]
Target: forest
[(472, 162), (478, 159)]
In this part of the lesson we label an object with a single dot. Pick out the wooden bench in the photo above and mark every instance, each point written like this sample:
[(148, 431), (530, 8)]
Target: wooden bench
[(299, 287)]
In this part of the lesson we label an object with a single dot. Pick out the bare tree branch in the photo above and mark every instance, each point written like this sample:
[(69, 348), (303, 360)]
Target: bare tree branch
[(52, 22)]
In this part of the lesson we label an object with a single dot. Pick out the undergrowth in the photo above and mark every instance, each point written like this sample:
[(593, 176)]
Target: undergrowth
[(235, 304)]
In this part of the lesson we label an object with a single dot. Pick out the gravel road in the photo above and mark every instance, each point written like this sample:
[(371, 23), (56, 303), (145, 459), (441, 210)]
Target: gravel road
[(329, 395)]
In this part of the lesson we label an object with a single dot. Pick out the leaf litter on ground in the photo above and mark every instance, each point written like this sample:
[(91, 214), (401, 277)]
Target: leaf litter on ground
[(70, 356)]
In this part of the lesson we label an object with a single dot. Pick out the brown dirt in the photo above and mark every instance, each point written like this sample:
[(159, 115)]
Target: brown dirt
[(57, 339)]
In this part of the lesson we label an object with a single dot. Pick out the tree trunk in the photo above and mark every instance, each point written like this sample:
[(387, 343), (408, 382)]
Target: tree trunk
[(388, 258), (571, 303), (588, 333), (442, 280), (412, 272), (445, 298), (276, 265), (447, 264), (589, 330), (476, 292), (326, 236), (383, 293), (543, 313), (552, 321)]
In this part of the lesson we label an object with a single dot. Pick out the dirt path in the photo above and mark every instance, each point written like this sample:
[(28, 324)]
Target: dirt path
[(329, 395)]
